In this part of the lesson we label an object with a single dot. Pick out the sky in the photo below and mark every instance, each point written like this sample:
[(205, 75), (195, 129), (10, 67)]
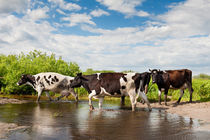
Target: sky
[(117, 35)]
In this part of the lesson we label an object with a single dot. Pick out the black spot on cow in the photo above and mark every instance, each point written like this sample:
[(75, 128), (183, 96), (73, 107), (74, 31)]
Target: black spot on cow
[(56, 79), (38, 78), (49, 76), (123, 87), (42, 85), (124, 78), (71, 81), (53, 80), (47, 80), (52, 83)]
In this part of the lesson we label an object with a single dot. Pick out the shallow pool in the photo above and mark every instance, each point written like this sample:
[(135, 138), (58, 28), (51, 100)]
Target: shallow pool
[(68, 120)]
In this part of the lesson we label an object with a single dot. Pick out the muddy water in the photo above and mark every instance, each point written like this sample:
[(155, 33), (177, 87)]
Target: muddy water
[(68, 120)]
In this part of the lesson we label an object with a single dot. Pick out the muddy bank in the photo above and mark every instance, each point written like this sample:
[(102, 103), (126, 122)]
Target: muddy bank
[(5, 100), (7, 128), (194, 110)]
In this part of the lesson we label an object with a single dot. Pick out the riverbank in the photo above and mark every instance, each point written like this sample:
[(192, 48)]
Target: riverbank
[(195, 110)]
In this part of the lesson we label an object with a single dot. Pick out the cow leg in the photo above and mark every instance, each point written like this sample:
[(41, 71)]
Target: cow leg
[(58, 98), (74, 94), (132, 99), (90, 99), (63, 94), (48, 95), (165, 96), (190, 90), (39, 94), (181, 94), (122, 100), (144, 97), (159, 94), (145, 91), (101, 99), (165, 99)]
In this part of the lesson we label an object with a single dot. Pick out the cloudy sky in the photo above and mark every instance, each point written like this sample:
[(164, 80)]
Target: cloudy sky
[(111, 34)]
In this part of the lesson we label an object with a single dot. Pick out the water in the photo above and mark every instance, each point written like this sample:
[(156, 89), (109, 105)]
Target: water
[(68, 120)]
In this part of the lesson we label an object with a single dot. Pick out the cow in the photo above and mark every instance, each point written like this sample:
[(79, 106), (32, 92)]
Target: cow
[(172, 79), (145, 85), (112, 84), (49, 81)]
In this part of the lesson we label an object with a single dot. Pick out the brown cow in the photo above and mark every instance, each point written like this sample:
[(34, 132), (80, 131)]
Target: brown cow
[(172, 79)]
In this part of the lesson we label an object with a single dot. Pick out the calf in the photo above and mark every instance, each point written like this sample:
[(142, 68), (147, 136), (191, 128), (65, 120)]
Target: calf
[(112, 84), (173, 79), (49, 81)]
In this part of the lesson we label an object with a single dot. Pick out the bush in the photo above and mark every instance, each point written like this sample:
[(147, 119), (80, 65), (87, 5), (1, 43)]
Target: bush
[(13, 66)]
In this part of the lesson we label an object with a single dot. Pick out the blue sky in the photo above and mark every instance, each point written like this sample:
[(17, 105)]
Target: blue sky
[(111, 34)]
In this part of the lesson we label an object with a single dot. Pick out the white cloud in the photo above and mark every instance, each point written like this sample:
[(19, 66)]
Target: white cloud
[(188, 18), (76, 19), (126, 7), (37, 14), (99, 12), (66, 6), (61, 12), (8, 6), (163, 44)]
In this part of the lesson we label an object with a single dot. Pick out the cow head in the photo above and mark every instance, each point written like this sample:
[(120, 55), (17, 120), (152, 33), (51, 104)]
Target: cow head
[(155, 75), (78, 81), (24, 79)]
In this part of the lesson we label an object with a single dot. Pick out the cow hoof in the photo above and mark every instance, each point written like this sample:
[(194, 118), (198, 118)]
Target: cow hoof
[(91, 108)]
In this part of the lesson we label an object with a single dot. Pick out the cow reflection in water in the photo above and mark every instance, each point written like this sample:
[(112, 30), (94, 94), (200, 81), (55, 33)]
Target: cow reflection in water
[(114, 124)]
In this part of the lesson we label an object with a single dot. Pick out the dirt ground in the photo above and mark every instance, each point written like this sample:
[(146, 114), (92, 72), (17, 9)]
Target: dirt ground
[(195, 110)]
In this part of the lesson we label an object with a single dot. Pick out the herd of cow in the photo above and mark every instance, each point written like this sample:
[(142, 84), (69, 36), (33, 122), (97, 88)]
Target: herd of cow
[(111, 84)]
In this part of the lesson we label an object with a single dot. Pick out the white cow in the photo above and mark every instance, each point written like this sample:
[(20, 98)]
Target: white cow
[(49, 81)]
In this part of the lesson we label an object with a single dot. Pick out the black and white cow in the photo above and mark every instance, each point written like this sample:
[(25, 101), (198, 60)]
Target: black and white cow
[(49, 81), (112, 84)]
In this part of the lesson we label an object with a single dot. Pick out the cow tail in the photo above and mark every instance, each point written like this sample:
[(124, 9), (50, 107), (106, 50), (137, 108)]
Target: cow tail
[(189, 75)]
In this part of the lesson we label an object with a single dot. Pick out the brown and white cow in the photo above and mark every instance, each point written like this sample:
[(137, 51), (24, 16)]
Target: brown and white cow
[(172, 79), (112, 84), (49, 81)]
